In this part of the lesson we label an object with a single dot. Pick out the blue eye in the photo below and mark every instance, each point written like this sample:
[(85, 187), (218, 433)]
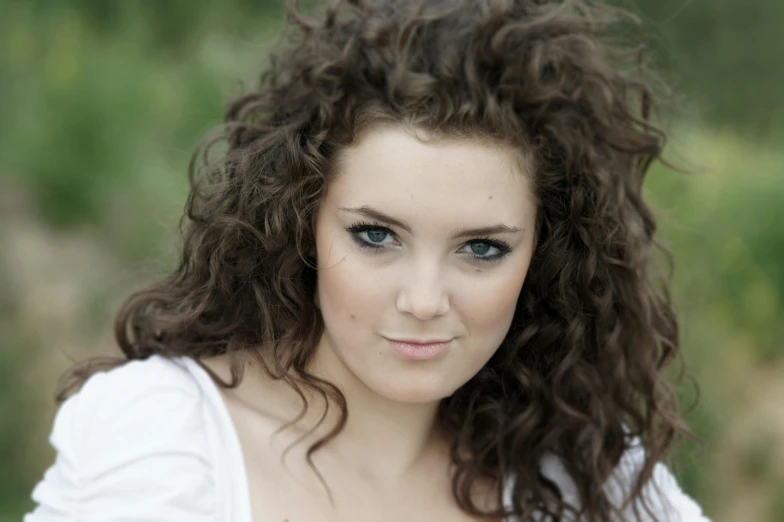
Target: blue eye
[(369, 236), (480, 248), (482, 251), (373, 236), (376, 235)]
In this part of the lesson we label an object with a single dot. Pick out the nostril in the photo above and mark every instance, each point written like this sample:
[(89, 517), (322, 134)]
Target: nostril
[(423, 303)]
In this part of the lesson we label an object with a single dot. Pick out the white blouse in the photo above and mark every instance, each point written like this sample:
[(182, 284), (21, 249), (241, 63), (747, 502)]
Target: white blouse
[(153, 441)]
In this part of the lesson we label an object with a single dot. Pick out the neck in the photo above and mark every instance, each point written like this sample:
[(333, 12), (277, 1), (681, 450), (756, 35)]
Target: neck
[(383, 439)]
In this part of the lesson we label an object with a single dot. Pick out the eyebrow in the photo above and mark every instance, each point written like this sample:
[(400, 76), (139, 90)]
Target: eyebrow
[(372, 213)]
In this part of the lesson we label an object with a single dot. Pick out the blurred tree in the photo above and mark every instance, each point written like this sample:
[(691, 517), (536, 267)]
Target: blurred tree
[(725, 54)]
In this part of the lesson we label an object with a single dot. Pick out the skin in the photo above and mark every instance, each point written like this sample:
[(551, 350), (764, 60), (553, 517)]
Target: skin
[(391, 462)]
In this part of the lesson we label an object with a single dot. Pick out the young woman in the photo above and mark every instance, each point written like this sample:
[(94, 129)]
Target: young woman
[(418, 284)]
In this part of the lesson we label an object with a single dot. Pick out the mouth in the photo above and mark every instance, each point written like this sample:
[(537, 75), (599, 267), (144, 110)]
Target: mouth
[(420, 341), (420, 349)]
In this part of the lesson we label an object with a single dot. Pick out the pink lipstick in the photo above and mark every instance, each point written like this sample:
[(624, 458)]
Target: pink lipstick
[(415, 351)]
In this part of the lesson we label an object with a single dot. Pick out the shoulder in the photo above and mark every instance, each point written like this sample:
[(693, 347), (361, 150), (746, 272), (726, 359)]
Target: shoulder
[(132, 440), (663, 495), (138, 378), (150, 400)]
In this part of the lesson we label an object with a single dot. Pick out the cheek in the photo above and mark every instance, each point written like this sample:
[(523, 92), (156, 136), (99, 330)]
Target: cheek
[(349, 295), (489, 307)]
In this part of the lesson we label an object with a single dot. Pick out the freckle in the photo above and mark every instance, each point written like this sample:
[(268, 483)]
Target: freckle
[(352, 316), (491, 197)]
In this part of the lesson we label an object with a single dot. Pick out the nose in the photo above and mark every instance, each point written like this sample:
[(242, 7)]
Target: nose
[(423, 293)]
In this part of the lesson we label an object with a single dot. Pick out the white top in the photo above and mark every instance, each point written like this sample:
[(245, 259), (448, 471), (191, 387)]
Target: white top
[(153, 441)]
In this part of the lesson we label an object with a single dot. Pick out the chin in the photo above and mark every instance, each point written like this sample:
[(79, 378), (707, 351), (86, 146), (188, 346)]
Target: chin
[(413, 389)]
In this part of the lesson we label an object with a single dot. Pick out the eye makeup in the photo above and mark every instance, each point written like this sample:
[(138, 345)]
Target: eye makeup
[(360, 229)]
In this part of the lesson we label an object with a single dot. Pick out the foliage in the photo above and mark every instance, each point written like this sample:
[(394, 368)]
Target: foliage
[(724, 54)]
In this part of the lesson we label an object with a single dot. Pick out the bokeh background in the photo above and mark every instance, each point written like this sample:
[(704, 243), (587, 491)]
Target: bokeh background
[(101, 104)]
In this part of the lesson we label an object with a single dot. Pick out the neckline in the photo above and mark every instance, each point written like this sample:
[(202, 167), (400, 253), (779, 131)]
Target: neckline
[(240, 486), (229, 429)]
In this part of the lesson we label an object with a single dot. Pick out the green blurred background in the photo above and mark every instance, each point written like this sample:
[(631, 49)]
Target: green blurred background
[(102, 102)]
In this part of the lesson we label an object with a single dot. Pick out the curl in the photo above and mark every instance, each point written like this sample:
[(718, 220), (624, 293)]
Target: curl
[(581, 372)]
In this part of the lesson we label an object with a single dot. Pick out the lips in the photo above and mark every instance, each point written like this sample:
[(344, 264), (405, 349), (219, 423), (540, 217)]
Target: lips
[(421, 341), (418, 350)]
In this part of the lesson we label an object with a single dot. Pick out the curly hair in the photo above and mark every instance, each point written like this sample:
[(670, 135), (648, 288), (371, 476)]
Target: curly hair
[(581, 371)]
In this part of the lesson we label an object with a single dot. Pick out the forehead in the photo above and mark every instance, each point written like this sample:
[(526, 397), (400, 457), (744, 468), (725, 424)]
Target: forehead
[(392, 168)]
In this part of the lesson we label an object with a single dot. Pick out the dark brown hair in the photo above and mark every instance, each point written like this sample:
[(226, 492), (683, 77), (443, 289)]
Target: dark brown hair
[(581, 372)]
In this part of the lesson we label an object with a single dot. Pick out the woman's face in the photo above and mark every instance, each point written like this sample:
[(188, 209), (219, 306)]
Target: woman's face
[(419, 241)]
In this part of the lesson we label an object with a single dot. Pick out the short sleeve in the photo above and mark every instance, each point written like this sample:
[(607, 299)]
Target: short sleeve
[(663, 495), (131, 446)]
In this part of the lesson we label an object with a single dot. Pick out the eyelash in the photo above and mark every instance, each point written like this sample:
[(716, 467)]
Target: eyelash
[(360, 227)]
